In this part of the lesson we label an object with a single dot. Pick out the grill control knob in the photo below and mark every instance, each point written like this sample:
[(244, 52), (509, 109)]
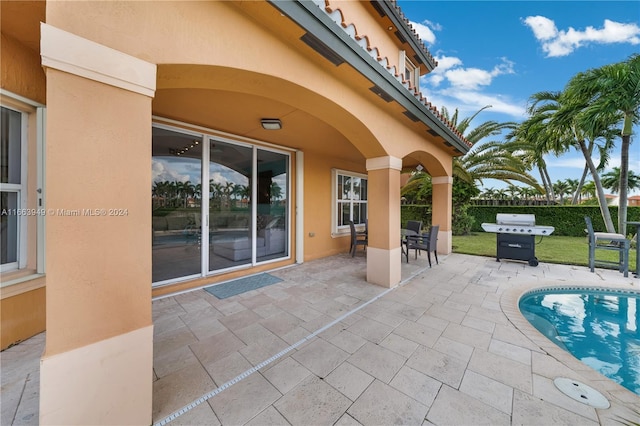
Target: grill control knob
[(522, 230), (530, 230), (499, 229)]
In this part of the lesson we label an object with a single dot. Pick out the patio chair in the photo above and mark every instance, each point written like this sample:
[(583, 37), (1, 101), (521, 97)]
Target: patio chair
[(357, 239), (607, 241), (415, 226), (427, 242)]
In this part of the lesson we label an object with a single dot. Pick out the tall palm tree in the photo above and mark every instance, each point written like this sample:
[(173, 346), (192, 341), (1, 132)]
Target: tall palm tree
[(589, 189), (613, 95), (528, 141), (553, 127), (561, 188), (573, 185), (611, 180)]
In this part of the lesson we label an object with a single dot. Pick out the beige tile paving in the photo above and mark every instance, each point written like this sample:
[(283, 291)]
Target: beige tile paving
[(448, 346)]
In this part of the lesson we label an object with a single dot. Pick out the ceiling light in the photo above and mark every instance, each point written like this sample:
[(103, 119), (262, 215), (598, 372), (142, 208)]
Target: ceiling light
[(271, 124)]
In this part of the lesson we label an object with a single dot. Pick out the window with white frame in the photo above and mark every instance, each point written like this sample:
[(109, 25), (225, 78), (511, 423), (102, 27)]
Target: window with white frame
[(411, 71), (349, 199), (12, 188)]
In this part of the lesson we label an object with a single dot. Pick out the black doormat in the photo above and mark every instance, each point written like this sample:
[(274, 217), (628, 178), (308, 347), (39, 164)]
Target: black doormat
[(242, 285)]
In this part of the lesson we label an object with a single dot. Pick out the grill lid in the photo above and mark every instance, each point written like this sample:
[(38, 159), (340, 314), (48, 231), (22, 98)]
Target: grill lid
[(516, 219)]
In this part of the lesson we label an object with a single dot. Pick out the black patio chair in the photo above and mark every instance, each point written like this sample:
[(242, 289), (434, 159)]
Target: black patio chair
[(415, 226), (427, 242), (357, 239)]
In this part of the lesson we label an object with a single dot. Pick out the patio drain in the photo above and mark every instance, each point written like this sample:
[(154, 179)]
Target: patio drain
[(581, 392)]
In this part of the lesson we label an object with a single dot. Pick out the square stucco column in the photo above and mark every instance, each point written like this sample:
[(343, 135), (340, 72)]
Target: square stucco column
[(383, 251), (98, 362), (442, 210)]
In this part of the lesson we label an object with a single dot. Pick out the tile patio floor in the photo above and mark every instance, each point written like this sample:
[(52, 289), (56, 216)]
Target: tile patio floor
[(446, 347)]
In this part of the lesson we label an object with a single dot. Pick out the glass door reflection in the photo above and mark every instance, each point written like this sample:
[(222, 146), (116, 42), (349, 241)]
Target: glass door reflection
[(272, 219), (230, 205), (176, 166)]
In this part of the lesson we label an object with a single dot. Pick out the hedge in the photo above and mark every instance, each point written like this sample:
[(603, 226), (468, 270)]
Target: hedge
[(567, 220)]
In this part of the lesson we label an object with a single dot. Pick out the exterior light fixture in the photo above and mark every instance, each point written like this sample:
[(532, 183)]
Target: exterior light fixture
[(419, 168), (271, 124)]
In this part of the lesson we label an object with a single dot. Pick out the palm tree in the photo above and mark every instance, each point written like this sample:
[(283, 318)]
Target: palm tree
[(572, 187), (490, 160), (487, 160), (528, 141), (553, 127), (611, 180), (417, 188), (613, 96), (276, 191), (561, 188), (589, 189)]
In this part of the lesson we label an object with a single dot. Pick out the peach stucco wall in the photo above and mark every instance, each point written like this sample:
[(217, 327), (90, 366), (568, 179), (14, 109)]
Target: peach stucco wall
[(97, 158), (368, 125), (366, 25), (22, 315), (23, 303), (318, 240), (21, 72)]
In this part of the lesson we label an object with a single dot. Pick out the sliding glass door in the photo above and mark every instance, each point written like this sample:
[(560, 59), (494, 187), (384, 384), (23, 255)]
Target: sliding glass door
[(176, 196), (230, 205), (240, 218), (273, 205)]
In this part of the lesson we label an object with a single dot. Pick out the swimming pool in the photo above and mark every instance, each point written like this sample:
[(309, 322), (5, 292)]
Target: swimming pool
[(600, 327)]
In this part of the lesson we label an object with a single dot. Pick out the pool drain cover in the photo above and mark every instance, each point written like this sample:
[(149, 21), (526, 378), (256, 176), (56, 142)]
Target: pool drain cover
[(581, 392)]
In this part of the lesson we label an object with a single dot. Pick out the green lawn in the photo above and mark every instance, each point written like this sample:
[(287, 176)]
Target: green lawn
[(551, 249)]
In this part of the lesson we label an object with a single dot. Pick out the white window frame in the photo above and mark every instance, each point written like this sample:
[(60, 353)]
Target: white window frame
[(33, 124), (407, 65), (21, 191), (337, 230)]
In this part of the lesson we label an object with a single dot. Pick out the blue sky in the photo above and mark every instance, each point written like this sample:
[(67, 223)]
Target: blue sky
[(501, 52)]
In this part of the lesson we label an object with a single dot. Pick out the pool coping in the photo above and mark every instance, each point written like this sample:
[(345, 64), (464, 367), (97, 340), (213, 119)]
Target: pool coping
[(614, 392)]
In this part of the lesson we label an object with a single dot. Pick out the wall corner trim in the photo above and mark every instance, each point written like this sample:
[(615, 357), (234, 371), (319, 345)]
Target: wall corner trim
[(380, 163), (73, 54)]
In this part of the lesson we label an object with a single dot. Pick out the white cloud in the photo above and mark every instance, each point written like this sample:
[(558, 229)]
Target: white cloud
[(543, 28), (165, 169), (472, 101), (424, 33), (468, 78), (463, 90), (561, 43), (450, 69)]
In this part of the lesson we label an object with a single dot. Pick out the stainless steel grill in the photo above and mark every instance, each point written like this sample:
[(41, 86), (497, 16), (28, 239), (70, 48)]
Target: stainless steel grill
[(515, 236)]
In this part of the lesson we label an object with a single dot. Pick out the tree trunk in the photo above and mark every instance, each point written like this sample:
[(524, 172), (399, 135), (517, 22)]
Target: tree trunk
[(624, 183), (576, 196), (602, 200)]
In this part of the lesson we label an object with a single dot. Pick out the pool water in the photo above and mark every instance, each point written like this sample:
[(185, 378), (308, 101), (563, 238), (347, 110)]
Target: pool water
[(599, 327)]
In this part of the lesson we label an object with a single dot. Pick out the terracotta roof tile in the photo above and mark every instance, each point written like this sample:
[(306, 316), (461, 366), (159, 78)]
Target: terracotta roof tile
[(363, 40)]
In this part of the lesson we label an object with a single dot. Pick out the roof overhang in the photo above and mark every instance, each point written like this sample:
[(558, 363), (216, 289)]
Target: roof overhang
[(308, 16), (399, 21)]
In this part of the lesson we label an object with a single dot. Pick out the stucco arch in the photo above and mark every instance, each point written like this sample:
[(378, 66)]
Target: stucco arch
[(248, 96), (433, 165)]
